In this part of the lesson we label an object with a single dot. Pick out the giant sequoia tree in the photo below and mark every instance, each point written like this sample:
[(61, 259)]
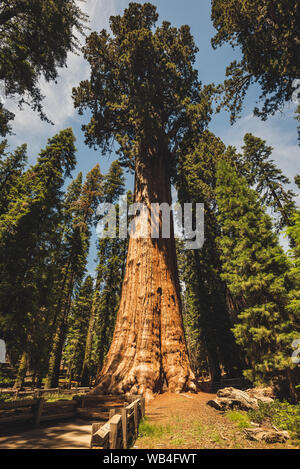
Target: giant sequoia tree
[(144, 94)]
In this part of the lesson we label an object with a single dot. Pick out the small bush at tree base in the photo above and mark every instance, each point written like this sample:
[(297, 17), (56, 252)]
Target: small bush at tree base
[(282, 415)]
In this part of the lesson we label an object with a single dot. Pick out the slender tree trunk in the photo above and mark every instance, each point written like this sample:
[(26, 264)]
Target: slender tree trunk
[(86, 365), (21, 372), (149, 346), (292, 387), (52, 379)]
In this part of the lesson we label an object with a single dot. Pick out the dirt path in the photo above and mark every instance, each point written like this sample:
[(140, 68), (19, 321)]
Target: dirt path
[(67, 435), (185, 421)]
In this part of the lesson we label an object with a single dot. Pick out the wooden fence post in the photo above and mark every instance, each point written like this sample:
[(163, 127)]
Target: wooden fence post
[(113, 435), (136, 418), (143, 407), (95, 428), (38, 412), (112, 412), (124, 427)]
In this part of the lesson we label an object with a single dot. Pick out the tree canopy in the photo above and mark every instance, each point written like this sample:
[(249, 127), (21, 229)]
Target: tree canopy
[(268, 34), (143, 87), (35, 37)]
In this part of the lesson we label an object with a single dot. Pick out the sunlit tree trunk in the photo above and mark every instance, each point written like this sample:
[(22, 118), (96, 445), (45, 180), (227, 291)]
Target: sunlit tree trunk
[(148, 350)]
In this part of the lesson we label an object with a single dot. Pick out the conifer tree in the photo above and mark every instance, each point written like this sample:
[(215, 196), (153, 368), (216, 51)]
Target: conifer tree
[(205, 296), (78, 328), (36, 36), (77, 249), (11, 168), (268, 34), (262, 173), (293, 232), (255, 269), (29, 235), (113, 188)]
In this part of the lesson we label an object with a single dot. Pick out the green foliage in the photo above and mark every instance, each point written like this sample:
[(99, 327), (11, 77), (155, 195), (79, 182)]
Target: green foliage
[(267, 179), (147, 429), (11, 168), (74, 250), (293, 231), (241, 419), (36, 36), (257, 273), (106, 297), (281, 414), (268, 34), (207, 315), (143, 92), (78, 323), (29, 238)]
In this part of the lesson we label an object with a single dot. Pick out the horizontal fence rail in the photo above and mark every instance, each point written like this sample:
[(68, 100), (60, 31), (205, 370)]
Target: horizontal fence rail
[(16, 393), (214, 386)]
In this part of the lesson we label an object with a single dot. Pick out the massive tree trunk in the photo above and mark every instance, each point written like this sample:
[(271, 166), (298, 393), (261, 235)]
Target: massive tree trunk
[(148, 350)]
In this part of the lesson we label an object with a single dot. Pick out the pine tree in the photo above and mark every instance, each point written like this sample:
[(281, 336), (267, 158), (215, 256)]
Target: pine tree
[(28, 237), (113, 188), (267, 179), (255, 270), (267, 32), (112, 256), (205, 296), (11, 168), (78, 328), (73, 269), (293, 231)]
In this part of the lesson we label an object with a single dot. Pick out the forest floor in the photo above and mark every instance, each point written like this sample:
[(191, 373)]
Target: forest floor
[(185, 421), (173, 421)]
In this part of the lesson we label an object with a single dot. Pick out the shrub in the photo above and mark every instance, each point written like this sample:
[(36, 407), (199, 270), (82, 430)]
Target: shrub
[(280, 414)]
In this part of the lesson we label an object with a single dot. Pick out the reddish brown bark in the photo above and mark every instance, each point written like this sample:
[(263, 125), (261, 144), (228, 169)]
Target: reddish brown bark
[(148, 350)]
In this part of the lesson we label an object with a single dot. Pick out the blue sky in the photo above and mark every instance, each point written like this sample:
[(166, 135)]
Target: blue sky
[(279, 131)]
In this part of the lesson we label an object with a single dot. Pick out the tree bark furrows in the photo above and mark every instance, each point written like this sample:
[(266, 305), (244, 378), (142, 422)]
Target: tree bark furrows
[(148, 346)]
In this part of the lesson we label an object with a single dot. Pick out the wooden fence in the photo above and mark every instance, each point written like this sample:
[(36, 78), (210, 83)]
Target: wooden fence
[(36, 393), (33, 412), (121, 428), (214, 386)]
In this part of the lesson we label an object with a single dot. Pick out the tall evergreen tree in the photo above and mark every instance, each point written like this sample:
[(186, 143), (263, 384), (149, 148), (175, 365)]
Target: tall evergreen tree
[(293, 232), (29, 235), (113, 188), (73, 269), (255, 269), (268, 34), (11, 168), (78, 328), (262, 173), (205, 296), (145, 94)]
